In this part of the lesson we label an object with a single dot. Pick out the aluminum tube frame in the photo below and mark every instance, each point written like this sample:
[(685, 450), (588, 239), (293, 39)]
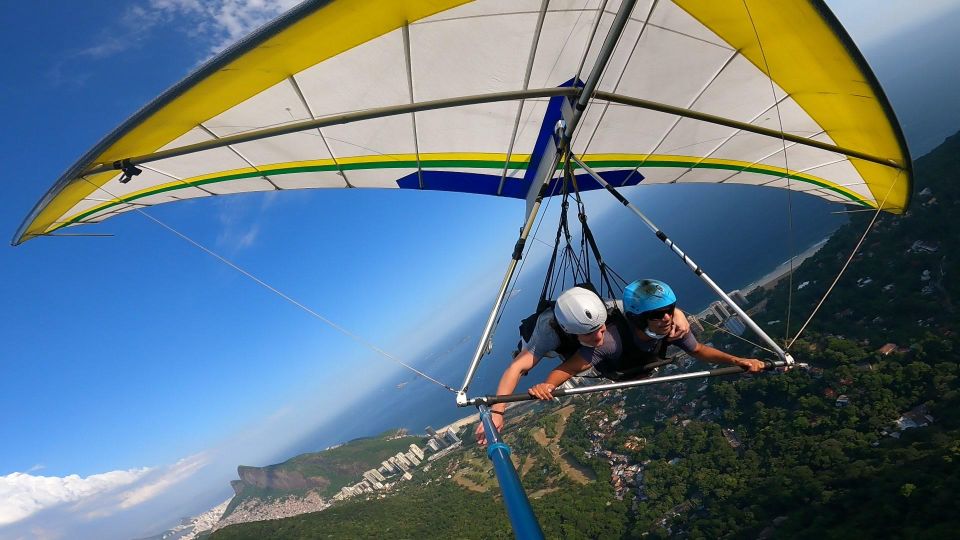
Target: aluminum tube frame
[(501, 294), (561, 392), (784, 356), (337, 119), (393, 110), (613, 35), (522, 518), (743, 126), (590, 85)]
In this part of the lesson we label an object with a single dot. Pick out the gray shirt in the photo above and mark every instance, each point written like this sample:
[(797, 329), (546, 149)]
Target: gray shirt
[(545, 340), (609, 355)]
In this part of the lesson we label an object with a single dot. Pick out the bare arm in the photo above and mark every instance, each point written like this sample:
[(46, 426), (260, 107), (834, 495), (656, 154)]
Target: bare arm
[(523, 363), (716, 356), (560, 375)]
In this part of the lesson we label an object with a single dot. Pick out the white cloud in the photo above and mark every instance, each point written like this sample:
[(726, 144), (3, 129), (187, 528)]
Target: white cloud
[(93, 497), (238, 224), (219, 23), (178, 472), (22, 494), (233, 19), (149, 486), (213, 24)]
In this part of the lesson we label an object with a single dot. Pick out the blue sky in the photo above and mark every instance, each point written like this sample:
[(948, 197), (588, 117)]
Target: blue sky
[(139, 371)]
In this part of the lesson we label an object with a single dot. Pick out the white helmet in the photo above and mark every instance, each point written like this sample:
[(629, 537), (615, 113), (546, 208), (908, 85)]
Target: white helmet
[(579, 311)]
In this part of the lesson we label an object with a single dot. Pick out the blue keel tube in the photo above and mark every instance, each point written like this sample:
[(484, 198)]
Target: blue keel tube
[(524, 523)]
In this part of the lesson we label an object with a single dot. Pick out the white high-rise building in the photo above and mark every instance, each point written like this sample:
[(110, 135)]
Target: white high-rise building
[(735, 326), (738, 298), (412, 458), (373, 476), (417, 451), (433, 445), (720, 309), (451, 437)]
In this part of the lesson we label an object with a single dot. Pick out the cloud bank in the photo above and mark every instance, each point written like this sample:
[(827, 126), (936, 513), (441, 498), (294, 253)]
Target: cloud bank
[(89, 498), (23, 494)]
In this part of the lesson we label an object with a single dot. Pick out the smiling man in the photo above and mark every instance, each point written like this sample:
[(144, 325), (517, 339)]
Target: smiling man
[(625, 345), (579, 318)]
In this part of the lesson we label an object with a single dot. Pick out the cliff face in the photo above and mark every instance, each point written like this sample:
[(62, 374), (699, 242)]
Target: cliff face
[(326, 471), (276, 479)]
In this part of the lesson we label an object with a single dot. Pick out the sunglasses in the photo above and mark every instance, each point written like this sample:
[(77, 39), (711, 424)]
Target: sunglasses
[(653, 314)]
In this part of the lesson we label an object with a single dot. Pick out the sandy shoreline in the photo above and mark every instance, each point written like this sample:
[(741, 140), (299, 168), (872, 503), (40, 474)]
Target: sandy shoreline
[(459, 424), (771, 278)]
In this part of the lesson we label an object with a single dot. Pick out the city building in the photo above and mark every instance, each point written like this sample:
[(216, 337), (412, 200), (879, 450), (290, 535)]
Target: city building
[(739, 298), (695, 325), (373, 476), (720, 309), (450, 437), (402, 459), (433, 445), (735, 326), (417, 451)]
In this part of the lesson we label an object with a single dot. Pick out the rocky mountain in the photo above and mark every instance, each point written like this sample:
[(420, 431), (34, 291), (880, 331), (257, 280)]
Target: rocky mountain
[(324, 472)]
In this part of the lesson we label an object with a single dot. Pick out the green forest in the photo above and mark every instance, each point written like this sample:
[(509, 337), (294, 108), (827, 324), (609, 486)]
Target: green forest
[(863, 441)]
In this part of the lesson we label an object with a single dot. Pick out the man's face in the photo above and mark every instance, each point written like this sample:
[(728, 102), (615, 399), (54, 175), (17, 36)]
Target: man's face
[(661, 322), (593, 339)]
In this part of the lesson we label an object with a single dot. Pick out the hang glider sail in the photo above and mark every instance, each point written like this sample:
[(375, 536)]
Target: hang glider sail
[(463, 96)]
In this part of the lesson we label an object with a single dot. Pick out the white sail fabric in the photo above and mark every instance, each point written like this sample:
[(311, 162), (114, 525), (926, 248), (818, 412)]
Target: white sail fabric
[(785, 67)]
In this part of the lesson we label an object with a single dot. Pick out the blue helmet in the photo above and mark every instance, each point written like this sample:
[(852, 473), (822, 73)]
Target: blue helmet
[(647, 295)]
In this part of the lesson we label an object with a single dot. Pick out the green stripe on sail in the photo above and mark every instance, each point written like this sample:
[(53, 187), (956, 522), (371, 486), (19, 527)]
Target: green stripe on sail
[(449, 164)]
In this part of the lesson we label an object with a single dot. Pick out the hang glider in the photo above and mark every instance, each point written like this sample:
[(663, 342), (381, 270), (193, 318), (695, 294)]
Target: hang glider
[(463, 96), (508, 98)]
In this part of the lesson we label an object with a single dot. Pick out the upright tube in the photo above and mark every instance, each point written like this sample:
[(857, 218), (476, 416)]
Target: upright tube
[(785, 358), (613, 35), (524, 522), (501, 294)]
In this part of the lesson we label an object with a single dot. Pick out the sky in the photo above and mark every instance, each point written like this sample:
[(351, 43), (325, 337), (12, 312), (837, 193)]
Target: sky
[(138, 371)]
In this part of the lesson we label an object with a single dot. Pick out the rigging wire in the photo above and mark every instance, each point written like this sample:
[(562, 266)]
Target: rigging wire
[(741, 338), (849, 259), (791, 248), (523, 260), (283, 295)]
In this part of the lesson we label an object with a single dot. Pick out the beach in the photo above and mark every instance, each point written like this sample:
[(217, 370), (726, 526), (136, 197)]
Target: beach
[(770, 279)]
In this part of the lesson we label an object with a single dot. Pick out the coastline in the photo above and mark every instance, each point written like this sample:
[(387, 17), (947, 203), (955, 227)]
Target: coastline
[(770, 279), (456, 425)]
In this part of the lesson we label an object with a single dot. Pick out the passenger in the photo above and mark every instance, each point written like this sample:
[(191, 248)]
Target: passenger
[(650, 309), (578, 319)]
